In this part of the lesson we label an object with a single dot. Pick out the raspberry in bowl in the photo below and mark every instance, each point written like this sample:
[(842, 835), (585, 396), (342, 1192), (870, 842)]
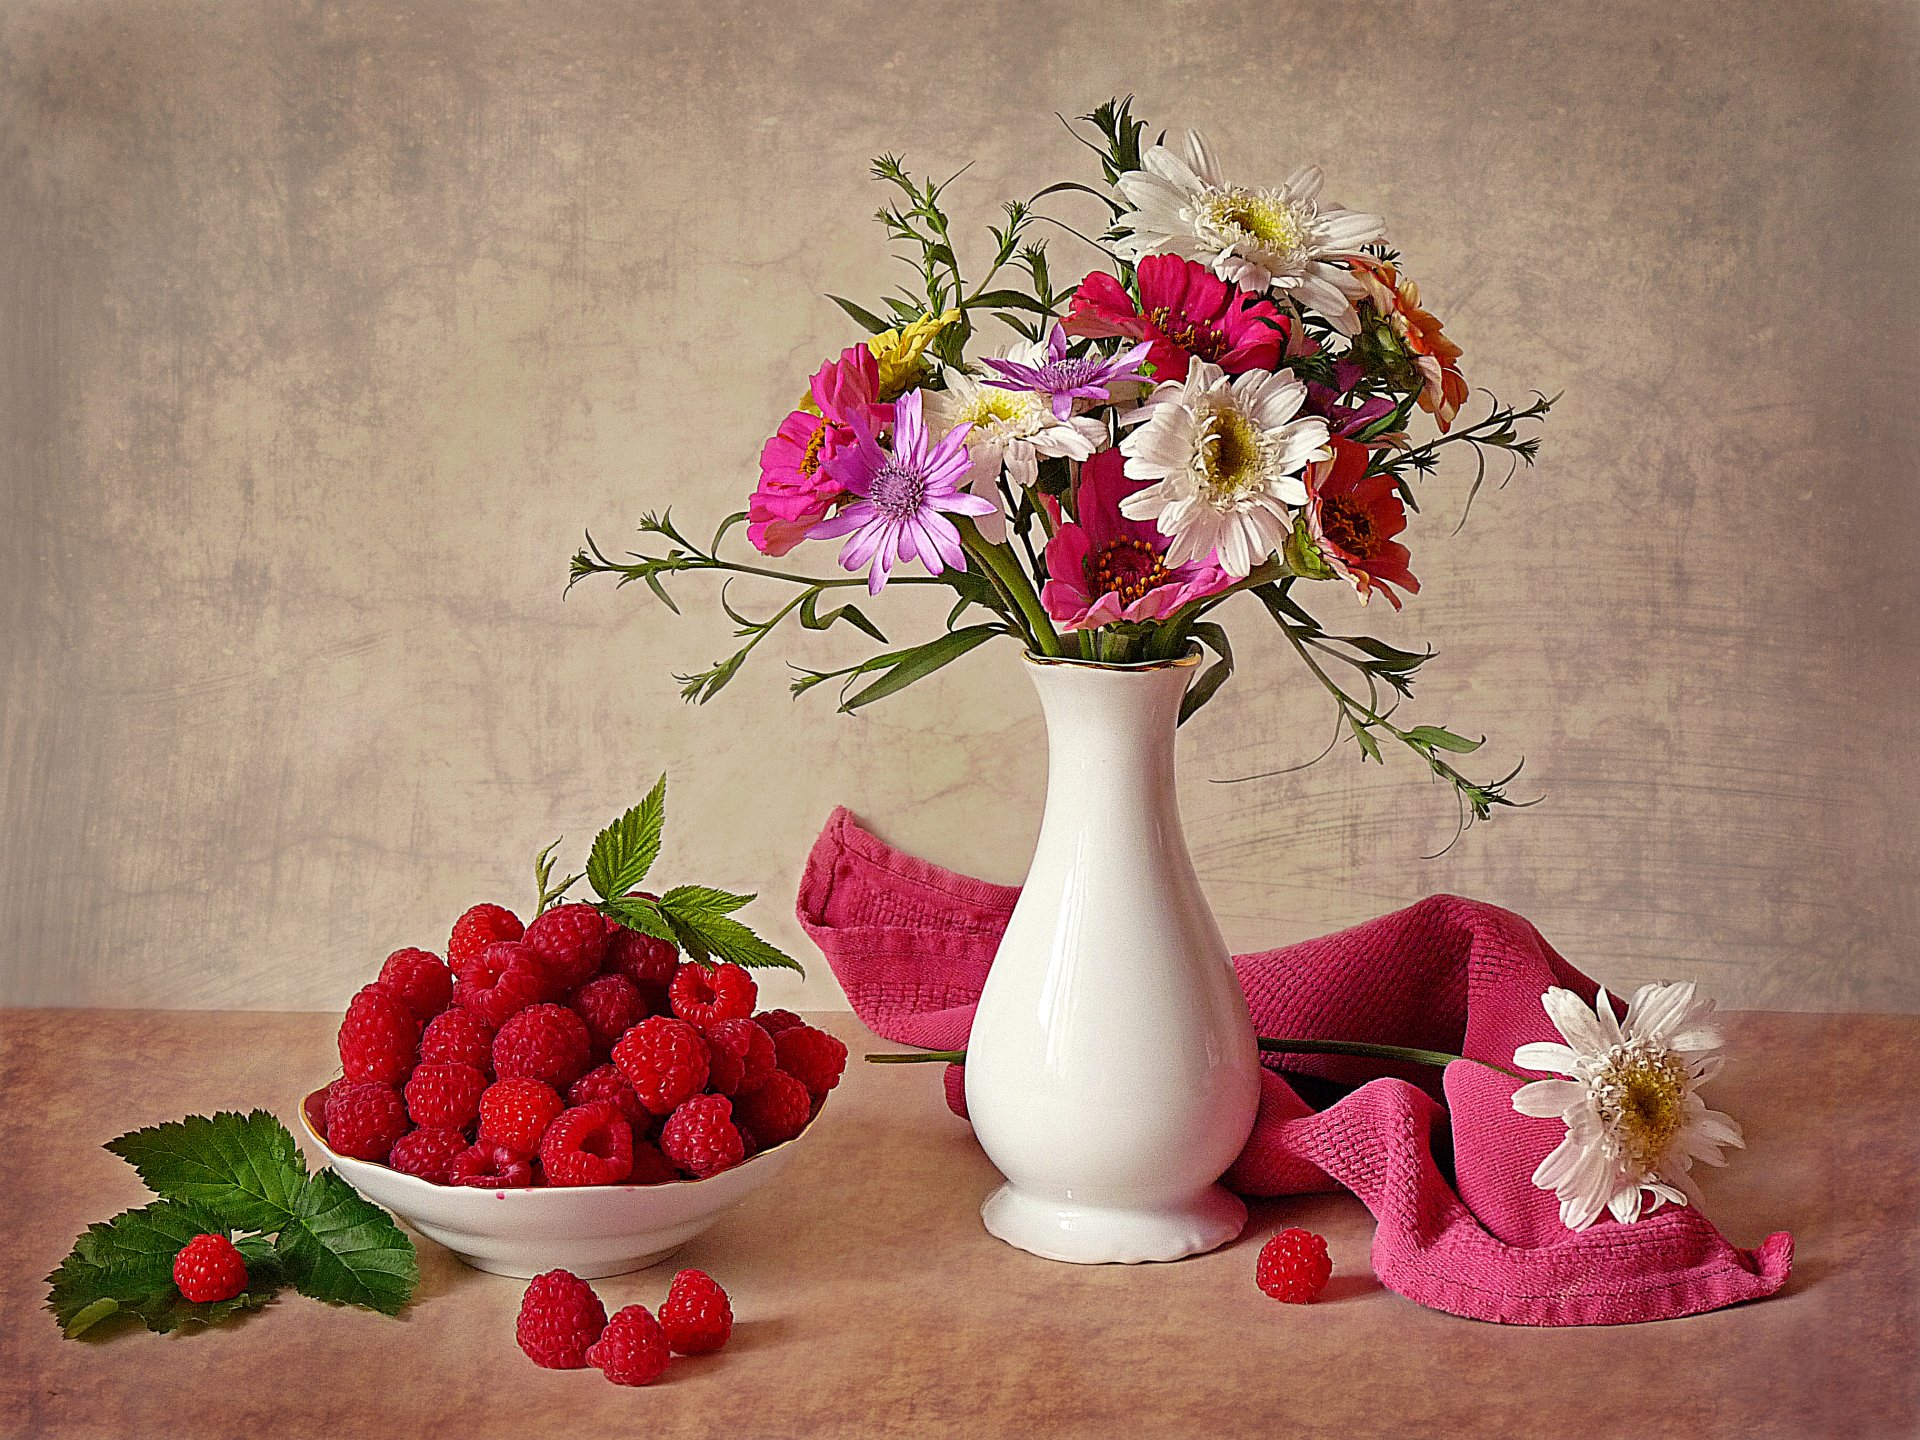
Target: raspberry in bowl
[(514, 1126)]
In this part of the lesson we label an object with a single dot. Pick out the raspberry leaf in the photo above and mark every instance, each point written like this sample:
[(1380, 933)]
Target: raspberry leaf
[(702, 897), (124, 1267), (245, 1169), (703, 933), (345, 1250), (637, 913), (624, 851)]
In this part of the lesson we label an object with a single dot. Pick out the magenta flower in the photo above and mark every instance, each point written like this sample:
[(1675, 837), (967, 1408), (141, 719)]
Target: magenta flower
[(1187, 313), (1103, 567), (900, 496), (1340, 405), (1069, 378), (796, 490)]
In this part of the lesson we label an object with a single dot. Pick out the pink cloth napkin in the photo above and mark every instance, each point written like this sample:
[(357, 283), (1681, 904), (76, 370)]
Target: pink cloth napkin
[(911, 943)]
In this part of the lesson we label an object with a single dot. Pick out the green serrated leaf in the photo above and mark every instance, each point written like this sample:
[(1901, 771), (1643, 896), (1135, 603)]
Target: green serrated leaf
[(124, 1266), (624, 851), (1006, 300), (246, 1169), (702, 897), (640, 914), (727, 938), (346, 1250)]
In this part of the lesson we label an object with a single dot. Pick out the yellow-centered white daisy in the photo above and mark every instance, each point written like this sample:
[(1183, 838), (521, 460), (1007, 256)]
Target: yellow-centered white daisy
[(1226, 454), (1282, 238), (1011, 428), (1635, 1123)]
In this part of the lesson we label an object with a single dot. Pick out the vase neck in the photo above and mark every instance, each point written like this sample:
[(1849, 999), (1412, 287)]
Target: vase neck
[(1110, 727)]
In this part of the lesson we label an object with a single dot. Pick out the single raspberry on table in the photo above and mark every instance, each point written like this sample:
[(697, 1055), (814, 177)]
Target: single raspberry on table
[(209, 1269), (813, 1057), (648, 962), (491, 1167), (605, 1082), (428, 1153), (378, 1036), (560, 1318), (611, 1005), (591, 1145), (774, 1021), (479, 928), (633, 1349), (458, 1037), (740, 1056), (696, 1314), (364, 1118), (516, 1112), (1293, 1267), (776, 1112), (701, 1138), (650, 1167), (418, 978), (664, 1060), (543, 1042), (702, 994), (500, 982), (571, 941), (444, 1094)]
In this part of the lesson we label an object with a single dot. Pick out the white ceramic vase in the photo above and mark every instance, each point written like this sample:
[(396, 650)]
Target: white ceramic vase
[(1112, 1072)]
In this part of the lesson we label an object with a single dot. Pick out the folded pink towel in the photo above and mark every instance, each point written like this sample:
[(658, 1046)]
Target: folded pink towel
[(911, 943)]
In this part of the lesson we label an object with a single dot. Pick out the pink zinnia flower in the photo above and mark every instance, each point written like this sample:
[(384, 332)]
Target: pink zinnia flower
[(901, 495), (796, 489), (1103, 567), (1353, 517), (1065, 379), (1186, 311)]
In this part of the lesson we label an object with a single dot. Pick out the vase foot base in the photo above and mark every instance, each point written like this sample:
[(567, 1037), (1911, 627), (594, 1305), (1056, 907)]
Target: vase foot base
[(1096, 1235)]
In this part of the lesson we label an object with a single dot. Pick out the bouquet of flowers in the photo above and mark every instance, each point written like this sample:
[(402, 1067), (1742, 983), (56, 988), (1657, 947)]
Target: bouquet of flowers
[(1224, 406)]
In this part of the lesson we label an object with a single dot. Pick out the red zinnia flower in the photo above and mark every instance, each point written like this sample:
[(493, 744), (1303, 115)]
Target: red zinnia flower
[(1353, 517), (1185, 310)]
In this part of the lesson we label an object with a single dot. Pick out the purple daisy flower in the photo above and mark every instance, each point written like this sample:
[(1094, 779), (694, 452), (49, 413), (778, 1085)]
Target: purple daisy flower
[(900, 496), (1065, 378)]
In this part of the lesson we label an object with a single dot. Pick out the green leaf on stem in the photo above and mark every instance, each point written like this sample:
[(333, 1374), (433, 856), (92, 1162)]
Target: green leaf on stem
[(624, 851), (866, 319), (903, 667), (1203, 689)]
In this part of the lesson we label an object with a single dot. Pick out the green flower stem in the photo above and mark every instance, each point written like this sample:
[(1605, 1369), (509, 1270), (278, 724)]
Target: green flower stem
[(1004, 571), (1403, 1053)]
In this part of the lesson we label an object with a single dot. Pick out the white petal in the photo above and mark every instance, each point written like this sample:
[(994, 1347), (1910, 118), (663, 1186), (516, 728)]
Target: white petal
[(1625, 1204), (1608, 1021), (1548, 1099), (1548, 1055), (1574, 1020)]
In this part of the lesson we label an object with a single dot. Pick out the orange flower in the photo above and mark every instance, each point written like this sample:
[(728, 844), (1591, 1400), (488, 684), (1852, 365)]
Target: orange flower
[(1433, 357)]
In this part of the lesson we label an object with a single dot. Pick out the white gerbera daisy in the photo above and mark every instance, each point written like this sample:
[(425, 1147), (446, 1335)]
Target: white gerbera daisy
[(1011, 428), (1282, 239), (1227, 455), (1634, 1124)]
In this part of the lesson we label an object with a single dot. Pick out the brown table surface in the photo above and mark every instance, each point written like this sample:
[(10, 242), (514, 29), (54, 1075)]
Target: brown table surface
[(871, 1303)]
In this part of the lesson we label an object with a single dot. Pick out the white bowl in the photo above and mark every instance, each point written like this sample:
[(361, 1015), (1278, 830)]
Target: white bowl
[(592, 1230)]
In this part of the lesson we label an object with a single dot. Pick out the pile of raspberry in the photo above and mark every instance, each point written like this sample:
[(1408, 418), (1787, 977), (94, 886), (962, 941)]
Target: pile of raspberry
[(564, 1326), (572, 1051)]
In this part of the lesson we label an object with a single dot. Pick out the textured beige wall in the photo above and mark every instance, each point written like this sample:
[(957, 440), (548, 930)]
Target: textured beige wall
[(328, 327)]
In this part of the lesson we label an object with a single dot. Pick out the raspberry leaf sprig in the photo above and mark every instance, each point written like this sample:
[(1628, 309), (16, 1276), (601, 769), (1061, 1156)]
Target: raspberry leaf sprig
[(240, 1177), (697, 918)]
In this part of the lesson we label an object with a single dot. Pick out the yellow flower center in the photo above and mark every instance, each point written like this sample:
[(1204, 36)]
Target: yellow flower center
[(1229, 453), (1644, 1096), (1016, 412), (1259, 215), (810, 462)]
